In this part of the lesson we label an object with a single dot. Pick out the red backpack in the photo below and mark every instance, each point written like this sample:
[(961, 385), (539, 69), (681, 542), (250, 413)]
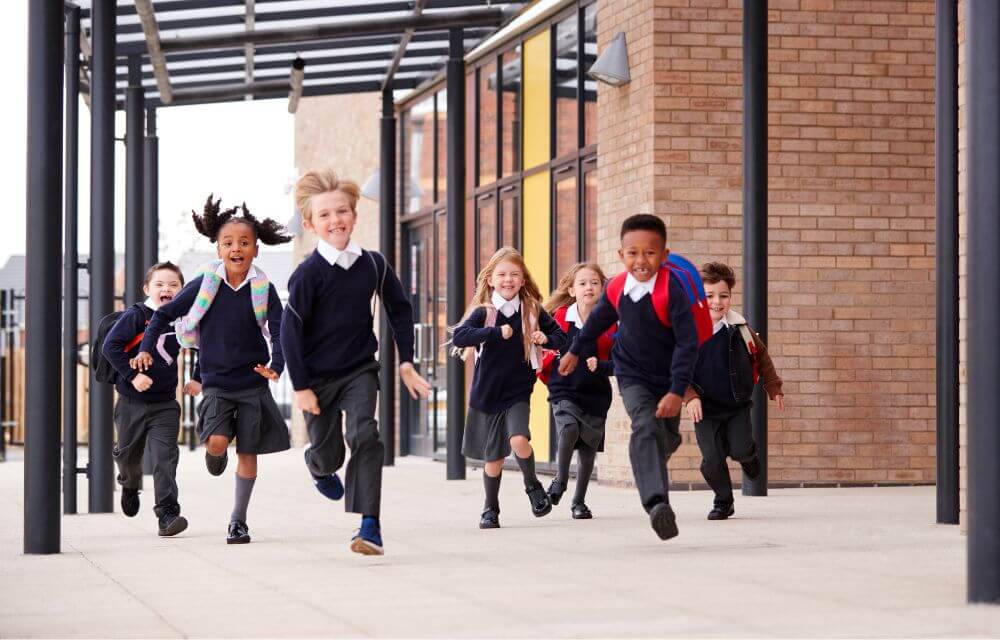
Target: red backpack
[(604, 344), (687, 276)]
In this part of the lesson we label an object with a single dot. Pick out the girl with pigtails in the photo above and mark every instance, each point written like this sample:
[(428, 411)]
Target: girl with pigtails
[(231, 313)]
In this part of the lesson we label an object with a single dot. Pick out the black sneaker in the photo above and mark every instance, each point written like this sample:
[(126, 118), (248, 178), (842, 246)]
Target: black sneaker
[(216, 464), (171, 524), (540, 503), (663, 520), (130, 501), (751, 468), (721, 512), (238, 533), (490, 519), (556, 490), (580, 511)]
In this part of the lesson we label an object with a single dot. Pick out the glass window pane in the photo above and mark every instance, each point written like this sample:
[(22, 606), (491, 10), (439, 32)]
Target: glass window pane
[(566, 86), (511, 116), (567, 230), (442, 138), (589, 84), (487, 226), (471, 175), (419, 154), (441, 301), (510, 223), (590, 215), (488, 124)]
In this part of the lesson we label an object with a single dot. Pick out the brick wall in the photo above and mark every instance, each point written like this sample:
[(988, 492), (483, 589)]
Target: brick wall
[(851, 126)]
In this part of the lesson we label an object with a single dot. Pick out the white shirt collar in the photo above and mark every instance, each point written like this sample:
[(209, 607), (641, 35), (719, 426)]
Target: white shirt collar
[(636, 290), (221, 272), (149, 302), (504, 306), (718, 326), (344, 258), (573, 315)]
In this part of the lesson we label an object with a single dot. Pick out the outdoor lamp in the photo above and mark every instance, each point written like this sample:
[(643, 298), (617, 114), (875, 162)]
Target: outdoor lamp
[(612, 65), (372, 187)]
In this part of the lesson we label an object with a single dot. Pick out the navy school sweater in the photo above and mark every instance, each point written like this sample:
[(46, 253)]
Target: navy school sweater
[(502, 376), (328, 328), (231, 342), (646, 352), (589, 390), (130, 324), (715, 369)]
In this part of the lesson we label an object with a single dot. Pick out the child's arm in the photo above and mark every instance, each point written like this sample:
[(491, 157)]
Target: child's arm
[(555, 337), (272, 371), (601, 317), (472, 333), (129, 325), (399, 312), (685, 340), (300, 301), (770, 379), (162, 318)]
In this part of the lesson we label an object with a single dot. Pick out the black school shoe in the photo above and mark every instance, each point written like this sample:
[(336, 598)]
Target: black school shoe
[(663, 521), (238, 533), (130, 501), (721, 512), (216, 464), (556, 490), (171, 524), (540, 503), (580, 511), (490, 519)]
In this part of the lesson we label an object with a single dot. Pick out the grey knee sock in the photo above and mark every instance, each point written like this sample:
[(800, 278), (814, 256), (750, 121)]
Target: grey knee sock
[(244, 487), (567, 440), (528, 470), (584, 470), (492, 486)]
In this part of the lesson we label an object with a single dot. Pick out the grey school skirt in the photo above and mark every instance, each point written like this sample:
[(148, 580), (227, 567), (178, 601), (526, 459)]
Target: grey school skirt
[(487, 435), (251, 416), (566, 413)]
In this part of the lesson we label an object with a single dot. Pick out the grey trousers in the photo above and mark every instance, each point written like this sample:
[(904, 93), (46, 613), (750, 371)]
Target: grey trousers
[(652, 443), (354, 395), (160, 422), (719, 437)]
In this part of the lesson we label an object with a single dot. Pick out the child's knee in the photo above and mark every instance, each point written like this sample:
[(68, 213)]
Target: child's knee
[(521, 446), (493, 468), (246, 465), (217, 445)]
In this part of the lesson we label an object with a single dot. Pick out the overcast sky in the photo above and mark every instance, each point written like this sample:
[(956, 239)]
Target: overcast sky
[(241, 151)]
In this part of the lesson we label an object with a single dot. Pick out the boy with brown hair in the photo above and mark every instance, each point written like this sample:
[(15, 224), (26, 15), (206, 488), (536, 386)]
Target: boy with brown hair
[(719, 399)]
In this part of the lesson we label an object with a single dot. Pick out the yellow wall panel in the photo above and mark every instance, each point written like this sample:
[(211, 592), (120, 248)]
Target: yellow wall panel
[(537, 232), (537, 66)]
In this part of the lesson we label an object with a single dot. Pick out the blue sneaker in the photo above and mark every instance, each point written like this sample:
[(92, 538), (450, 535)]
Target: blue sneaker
[(368, 539), (330, 486)]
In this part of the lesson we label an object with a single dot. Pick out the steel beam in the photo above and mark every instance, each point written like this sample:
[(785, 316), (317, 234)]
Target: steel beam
[(134, 152), (150, 191), (387, 242)]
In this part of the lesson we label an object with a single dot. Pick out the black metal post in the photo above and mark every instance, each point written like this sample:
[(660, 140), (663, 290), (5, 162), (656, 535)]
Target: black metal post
[(151, 193), (100, 468), (983, 50), (70, 257), (455, 83), (134, 152), (44, 210), (387, 240), (755, 208), (946, 199)]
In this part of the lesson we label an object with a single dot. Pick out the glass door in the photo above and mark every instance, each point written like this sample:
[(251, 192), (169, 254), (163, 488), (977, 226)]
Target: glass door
[(419, 250)]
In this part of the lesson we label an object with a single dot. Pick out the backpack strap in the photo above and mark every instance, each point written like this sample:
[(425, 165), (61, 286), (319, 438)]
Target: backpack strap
[(379, 277), (747, 336), (661, 296), (134, 342), (615, 288), (560, 317)]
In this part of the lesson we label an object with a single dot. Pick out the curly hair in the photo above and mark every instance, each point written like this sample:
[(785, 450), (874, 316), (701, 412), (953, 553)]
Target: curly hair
[(713, 272), (212, 219)]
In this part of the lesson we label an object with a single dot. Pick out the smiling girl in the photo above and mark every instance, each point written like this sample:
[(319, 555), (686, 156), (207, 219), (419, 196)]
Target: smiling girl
[(232, 314)]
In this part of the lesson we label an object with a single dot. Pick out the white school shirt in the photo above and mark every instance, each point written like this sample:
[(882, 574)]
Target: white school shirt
[(345, 258), (636, 290), (505, 306), (221, 272)]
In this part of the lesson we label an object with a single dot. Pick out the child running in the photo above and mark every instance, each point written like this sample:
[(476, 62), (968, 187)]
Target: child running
[(720, 397), (231, 312), (654, 356), (507, 325), (147, 405), (580, 401), (330, 344)]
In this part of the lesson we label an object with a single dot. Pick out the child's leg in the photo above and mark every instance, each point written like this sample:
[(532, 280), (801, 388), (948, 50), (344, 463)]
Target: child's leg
[(217, 445), (741, 445), (568, 435), (651, 443), (585, 468), (525, 457), (131, 443), (710, 433), (246, 475), (164, 425), (326, 451), (492, 472), (364, 468)]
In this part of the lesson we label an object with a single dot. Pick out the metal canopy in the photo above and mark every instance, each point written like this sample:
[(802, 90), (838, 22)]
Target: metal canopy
[(221, 50)]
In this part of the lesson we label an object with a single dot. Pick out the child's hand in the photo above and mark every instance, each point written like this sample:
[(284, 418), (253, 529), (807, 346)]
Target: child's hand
[(538, 337), (695, 410), (267, 372), (142, 382), (668, 406), (506, 331), (567, 364), (592, 363), (780, 399), (415, 383), (192, 387), (306, 401), (142, 361)]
